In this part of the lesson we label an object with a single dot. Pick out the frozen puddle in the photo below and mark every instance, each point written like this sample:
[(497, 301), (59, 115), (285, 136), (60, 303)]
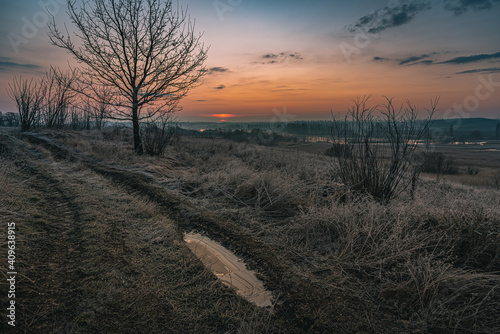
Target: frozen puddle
[(229, 269)]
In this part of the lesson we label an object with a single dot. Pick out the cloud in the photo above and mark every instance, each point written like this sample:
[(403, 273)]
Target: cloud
[(461, 6), (412, 59), (389, 16), (220, 87), (7, 64), (472, 59), (270, 56), (424, 59), (425, 62), (481, 70), (277, 58), (214, 70), (288, 89), (217, 70)]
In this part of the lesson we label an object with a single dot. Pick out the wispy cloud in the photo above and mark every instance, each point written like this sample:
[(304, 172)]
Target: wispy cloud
[(214, 70), (390, 16), (217, 70), (220, 87), (472, 59), (461, 6), (381, 59), (277, 58), (411, 60), (288, 89), (7, 64), (424, 59), (481, 70)]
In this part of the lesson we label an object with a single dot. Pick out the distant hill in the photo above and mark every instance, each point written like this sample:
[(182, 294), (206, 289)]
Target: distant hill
[(467, 126)]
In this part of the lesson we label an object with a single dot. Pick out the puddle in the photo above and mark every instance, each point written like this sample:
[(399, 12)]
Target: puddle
[(230, 269)]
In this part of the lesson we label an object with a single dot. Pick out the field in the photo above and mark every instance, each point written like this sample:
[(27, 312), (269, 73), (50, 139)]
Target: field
[(100, 239)]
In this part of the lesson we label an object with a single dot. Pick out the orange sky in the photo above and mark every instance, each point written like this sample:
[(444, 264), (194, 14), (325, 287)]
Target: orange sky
[(287, 60)]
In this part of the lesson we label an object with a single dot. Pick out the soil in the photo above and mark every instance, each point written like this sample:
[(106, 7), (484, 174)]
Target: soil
[(86, 268)]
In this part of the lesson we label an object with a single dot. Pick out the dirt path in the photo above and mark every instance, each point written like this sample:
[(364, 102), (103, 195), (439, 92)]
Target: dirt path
[(97, 257), (303, 304)]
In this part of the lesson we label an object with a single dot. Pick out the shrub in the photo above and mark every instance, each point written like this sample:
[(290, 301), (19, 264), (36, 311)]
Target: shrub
[(156, 136), (338, 150), (472, 171), (438, 163), (376, 155)]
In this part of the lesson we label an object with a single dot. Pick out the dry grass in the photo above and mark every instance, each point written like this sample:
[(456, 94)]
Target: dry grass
[(429, 264), (433, 261), (94, 258)]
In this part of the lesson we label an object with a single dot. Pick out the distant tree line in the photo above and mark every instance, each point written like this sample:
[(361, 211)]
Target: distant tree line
[(324, 129), (254, 136)]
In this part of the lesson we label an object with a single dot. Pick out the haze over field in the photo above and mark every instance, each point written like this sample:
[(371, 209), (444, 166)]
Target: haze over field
[(297, 60)]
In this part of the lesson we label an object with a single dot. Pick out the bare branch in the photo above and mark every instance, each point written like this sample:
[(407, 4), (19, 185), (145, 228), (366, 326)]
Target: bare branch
[(144, 50)]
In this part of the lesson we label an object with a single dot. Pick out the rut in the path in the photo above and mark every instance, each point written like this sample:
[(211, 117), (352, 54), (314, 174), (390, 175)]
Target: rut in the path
[(47, 292), (297, 293)]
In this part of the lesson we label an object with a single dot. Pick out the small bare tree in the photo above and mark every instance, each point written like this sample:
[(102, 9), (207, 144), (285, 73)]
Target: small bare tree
[(99, 107), (58, 96), (29, 96), (377, 153), (158, 134), (144, 50)]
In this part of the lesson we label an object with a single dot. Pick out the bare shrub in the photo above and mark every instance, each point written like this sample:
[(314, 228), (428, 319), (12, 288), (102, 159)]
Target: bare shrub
[(378, 153), (156, 136), (472, 171), (437, 163), (338, 150), (58, 96), (28, 96)]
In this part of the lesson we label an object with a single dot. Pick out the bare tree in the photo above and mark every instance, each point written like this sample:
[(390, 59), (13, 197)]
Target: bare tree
[(99, 107), (144, 50), (28, 95), (376, 155), (58, 96)]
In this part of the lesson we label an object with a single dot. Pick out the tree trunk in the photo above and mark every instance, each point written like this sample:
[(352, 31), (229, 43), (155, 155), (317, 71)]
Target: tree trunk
[(137, 133)]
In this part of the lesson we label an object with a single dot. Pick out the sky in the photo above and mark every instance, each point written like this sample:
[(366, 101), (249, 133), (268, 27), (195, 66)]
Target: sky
[(291, 60)]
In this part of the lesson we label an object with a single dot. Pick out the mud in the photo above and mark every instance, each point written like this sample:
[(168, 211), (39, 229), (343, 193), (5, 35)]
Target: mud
[(231, 270)]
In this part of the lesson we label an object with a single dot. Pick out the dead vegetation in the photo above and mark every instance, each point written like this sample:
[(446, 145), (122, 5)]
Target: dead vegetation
[(425, 265), (432, 262)]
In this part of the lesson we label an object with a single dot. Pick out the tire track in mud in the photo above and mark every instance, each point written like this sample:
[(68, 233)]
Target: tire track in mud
[(300, 299), (49, 295)]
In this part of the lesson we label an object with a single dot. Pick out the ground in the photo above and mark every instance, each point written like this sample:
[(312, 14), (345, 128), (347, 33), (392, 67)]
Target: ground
[(100, 242)]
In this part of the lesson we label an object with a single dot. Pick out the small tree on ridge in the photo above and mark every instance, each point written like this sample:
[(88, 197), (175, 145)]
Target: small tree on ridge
[(144, 50)]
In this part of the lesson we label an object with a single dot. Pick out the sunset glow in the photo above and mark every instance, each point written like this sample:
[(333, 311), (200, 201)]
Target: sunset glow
[(222, 115)]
